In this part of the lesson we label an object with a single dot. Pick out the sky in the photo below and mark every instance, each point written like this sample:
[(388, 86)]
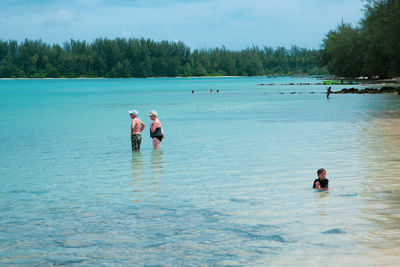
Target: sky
[(235, 24)]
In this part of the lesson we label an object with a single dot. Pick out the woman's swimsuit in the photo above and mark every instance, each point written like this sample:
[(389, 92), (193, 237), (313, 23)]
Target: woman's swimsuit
[(157, 134)]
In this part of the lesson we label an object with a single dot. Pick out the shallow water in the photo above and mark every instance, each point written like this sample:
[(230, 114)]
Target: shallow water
[(231, 185)]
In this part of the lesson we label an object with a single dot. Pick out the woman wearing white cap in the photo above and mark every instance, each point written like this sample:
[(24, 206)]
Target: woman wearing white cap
[(156, 130)]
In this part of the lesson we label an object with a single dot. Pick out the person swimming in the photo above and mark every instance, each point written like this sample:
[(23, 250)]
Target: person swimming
[(322, 182)]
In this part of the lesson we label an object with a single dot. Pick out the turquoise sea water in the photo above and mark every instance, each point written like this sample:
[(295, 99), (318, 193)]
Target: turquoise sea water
[(231, 185)]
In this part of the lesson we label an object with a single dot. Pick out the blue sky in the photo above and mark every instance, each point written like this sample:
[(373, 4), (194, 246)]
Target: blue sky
[(198, 23)]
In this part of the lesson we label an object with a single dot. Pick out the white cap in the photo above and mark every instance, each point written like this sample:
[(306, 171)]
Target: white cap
[(153, 113), (134, 112)]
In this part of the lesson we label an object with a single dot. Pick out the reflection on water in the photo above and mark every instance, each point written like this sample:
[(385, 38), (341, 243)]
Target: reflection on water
[(137, 166), (321, 203), (137, 174), (156, 163), (145, 186), (382, 183)]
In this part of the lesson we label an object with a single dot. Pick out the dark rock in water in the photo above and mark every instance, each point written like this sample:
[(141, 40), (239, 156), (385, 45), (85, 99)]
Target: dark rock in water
[(261, 84), (383, 90), (388, 89), (334, 231)]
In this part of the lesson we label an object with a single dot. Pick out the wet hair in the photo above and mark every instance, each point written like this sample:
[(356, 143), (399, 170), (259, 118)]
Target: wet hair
[(320, 171)]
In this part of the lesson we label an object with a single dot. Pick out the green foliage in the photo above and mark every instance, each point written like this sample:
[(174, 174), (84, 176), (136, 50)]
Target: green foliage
[(381, 26), (343, 51), (372, 49), (125, 58)]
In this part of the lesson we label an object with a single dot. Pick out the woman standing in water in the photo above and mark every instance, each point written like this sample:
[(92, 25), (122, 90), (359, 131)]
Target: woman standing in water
[(156, 130)]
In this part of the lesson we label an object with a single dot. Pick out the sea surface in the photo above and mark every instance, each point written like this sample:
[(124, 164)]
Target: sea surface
[(231, 185)]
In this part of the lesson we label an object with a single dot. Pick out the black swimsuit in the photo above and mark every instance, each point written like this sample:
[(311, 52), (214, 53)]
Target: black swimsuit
[(322, 183), (157, 134)]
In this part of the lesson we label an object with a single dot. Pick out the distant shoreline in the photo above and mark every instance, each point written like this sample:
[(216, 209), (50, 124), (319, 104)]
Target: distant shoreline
[(177, 77), (376, 83)]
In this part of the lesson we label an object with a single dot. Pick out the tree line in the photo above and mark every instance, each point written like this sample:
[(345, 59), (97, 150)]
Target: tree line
[(125, 58), (370, 49)]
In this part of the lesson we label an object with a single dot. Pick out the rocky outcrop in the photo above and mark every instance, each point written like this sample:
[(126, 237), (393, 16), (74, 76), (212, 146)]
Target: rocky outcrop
[(383, 90), (261, 84)]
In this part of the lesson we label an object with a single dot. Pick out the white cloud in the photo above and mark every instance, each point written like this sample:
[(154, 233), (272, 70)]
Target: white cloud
[(198, 23), (60, 18)]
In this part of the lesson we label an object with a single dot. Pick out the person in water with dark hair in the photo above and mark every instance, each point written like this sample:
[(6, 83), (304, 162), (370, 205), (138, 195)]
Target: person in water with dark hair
[(156, 130), (322, 182), (328, 92)]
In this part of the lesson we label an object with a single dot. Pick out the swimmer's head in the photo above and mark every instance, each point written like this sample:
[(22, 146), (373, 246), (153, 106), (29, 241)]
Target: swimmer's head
[(321, 173)]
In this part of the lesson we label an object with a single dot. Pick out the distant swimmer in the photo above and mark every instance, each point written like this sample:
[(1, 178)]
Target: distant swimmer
[(328, 92), (211, 91), (137, 126), (322, 182), (156, 130), (217, 91), (192, 91)]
